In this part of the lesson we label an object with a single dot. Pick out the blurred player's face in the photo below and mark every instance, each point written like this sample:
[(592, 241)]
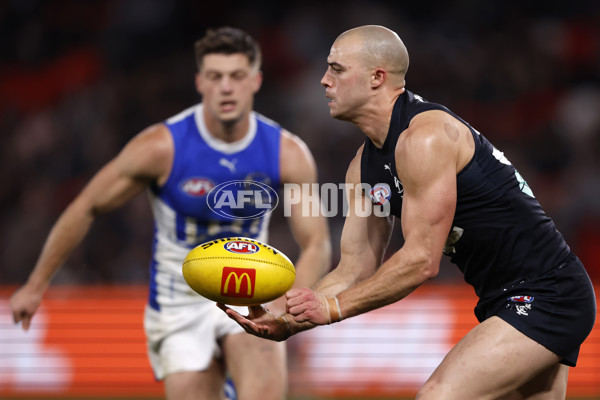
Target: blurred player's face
[(227, 84), (346, 80)]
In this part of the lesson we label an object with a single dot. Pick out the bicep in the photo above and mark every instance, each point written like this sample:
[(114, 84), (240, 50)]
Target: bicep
[(428, 174), (110, 188), (366, 234), (142, 160), (301, 192)]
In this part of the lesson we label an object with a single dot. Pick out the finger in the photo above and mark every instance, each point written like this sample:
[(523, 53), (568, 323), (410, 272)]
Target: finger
[(300, 308), (301, 296), (16, 317), (26, 322), (296, 292), (249, 326), (223, 307)]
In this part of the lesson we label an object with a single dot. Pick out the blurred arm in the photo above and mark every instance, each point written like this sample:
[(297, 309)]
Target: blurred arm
[(309, 230), (145, 158)]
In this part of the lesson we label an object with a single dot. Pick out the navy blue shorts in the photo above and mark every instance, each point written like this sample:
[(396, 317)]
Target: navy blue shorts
[(556, 309)]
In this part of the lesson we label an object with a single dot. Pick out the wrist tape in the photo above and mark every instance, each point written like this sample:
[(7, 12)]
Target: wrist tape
[(333, 306)]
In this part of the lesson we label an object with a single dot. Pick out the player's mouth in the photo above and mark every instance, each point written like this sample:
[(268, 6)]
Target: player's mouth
[(331, 101), (227, 106)]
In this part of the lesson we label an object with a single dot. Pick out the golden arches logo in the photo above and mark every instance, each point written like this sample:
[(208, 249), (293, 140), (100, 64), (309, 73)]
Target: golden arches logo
[(238, 282)]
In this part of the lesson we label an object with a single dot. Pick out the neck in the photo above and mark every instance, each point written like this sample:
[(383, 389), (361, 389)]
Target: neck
[(227, 131), (375, 121)]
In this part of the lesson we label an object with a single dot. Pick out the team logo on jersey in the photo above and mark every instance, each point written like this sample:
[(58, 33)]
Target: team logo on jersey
[(521, 299), (197, 187), (242, 199), (380, 194), (241, 247), (521, 303)]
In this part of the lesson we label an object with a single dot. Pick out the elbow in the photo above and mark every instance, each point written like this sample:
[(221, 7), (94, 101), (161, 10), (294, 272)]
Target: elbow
[(427, 265), (430, 271)]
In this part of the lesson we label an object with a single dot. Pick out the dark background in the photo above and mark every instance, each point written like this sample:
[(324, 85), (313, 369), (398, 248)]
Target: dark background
[(78, 79)]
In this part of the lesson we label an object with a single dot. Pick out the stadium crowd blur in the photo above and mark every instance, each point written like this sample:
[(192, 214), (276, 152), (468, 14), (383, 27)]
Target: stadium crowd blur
[(79, 79)]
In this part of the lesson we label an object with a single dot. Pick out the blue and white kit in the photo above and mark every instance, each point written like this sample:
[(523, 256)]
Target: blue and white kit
[(182, 327)]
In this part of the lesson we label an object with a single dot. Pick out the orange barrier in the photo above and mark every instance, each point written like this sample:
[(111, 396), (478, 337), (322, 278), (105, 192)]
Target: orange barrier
[(89, 341)]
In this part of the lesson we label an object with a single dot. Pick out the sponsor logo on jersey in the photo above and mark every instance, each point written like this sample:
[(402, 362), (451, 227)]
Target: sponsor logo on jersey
[(197, 187), (380, 194), (238, 282), (241, 247)]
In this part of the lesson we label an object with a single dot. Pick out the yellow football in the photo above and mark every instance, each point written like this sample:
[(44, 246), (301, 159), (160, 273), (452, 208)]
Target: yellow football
[(238, 271)]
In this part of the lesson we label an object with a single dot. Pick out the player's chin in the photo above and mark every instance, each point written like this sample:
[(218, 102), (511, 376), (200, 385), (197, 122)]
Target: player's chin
[(336, 113)]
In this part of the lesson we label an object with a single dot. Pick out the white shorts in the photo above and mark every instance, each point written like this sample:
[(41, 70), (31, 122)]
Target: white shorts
[(185, 338)]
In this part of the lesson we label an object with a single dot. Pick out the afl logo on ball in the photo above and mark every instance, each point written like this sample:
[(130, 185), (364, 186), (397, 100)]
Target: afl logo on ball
[(380, 194), (197, 187), (241, 247)]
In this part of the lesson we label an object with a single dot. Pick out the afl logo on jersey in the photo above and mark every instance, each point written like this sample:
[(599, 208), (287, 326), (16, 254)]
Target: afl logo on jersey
[(380, 194), (242, 199), (241, 247), (197, 187)]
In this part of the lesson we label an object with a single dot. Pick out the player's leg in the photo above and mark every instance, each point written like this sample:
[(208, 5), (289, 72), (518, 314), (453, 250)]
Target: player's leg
[(491, 361), (257, 366), (184, 352), (549, 385), (196, 385)]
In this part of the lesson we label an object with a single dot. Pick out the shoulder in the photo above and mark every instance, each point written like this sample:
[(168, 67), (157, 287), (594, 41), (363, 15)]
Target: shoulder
[(292, 145), (431, 127), (155, 139), (296, 160), (435, 136), (149, 153), (353, 175)]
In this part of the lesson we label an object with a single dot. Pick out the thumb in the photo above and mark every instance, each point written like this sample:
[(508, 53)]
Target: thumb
[(256, 311)]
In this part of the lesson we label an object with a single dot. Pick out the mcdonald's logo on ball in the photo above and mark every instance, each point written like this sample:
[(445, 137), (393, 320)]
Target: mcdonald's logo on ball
[(238, 271), (238, 282)]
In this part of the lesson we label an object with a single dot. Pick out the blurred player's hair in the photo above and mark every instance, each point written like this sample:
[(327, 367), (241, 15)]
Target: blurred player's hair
[(228, 40)]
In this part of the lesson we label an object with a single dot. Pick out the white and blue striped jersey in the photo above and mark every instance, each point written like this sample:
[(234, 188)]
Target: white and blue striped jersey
[(183, 218)]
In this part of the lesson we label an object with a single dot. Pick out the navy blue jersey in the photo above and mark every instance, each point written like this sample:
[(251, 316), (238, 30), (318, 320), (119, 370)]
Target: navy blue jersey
[(500, 232)]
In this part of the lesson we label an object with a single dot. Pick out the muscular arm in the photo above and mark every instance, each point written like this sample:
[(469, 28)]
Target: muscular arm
[(310, 231), (145, 158), (364, 239), (363, 244), (428, 156)]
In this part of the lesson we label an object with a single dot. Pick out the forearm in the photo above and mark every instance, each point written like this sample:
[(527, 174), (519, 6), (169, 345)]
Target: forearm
[(68, 231), (313, 263), (393, 281)]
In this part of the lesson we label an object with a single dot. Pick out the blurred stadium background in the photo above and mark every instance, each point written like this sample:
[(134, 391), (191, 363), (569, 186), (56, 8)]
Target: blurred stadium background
[(79, 78)]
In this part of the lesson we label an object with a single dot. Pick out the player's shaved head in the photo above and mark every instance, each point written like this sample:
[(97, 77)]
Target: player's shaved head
[(377, 47)]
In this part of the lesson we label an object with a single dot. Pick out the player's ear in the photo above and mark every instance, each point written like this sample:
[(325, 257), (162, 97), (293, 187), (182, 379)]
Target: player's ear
[(378, 76), (258, 78), (198, 82)]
